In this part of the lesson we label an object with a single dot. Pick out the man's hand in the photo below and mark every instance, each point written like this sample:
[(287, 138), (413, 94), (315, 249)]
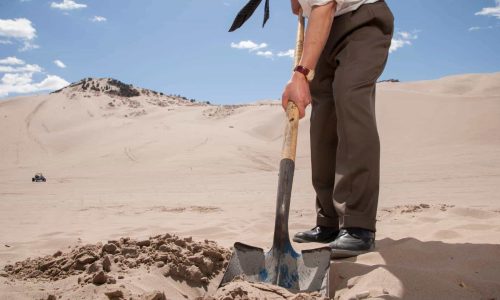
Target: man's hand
[(318, 29), (295, 6), (297, 91)]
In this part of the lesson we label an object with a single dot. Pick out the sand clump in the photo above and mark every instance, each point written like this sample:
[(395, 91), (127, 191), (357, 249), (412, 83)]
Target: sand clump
[(239, 289), (196, 263), (182, 259)]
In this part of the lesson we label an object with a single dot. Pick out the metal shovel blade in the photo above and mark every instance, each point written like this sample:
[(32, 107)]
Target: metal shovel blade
[(298, 272), (282, 265)]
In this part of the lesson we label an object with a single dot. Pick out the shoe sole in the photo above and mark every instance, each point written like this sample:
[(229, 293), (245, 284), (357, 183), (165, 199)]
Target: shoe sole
[(299, 240), (342, 253)]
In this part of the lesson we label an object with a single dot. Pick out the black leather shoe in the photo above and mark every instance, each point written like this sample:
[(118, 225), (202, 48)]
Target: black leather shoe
[(319, 234), (352, 242)]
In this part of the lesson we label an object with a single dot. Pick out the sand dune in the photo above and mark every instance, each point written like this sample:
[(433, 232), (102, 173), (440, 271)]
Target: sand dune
[(481, 85), (152, 164)]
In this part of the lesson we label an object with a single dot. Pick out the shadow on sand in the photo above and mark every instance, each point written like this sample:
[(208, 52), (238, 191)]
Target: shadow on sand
[(412, 269)]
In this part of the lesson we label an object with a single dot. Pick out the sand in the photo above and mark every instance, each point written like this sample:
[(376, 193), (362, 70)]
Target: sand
[(153, 165)]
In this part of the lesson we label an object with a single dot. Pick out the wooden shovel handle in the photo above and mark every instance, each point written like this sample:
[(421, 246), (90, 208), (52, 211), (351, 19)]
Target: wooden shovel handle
[(299, 44), (289, 149)]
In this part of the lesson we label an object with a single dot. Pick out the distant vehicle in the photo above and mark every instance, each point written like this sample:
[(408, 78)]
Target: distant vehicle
[(38, 178)]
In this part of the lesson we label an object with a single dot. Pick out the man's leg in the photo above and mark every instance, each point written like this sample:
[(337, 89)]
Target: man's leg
[(323, 135), (323, 149), (360, 63)]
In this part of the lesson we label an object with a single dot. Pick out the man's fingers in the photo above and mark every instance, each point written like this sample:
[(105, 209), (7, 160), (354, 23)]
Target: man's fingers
[(301, 108), (302, 111), (305, 104), (284, 99), (309, 100)]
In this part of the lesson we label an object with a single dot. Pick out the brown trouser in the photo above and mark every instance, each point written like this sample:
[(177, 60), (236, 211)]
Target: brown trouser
[(345, 146)]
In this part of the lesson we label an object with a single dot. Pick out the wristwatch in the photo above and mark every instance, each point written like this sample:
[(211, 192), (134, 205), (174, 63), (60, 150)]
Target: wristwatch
[(309, 74)]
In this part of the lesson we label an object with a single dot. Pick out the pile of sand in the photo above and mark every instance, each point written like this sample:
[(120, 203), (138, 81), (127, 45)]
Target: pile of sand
[(196, 263), (239, 289)]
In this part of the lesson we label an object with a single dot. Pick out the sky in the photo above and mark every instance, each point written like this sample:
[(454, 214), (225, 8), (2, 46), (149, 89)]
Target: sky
[(184, 47)]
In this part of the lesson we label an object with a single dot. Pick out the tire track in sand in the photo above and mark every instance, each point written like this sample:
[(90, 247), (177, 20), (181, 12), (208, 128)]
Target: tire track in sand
[(29, 119)]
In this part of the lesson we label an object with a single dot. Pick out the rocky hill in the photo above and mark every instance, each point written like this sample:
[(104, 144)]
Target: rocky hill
[(90, 87)]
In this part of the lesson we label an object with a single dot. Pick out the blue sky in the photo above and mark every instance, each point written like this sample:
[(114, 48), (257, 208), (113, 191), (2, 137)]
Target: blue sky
[(183, 47)]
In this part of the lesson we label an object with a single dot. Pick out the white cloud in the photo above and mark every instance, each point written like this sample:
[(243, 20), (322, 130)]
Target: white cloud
[(23, 84), (7, 66), (477, 28), (19, 29), (98, 19), (288, 53), (266, 54), (11, 60), (260, 49), (60, 64), (401, 39), (398, 43), (405, 35), (18, 78), (51, 82), (249, 45), (22, 69), (27, 45), (67, 5), (490, 11)]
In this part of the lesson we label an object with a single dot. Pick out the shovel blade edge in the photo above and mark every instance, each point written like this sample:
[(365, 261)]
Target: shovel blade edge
[(247, 262), (314, 269), (304, 272)]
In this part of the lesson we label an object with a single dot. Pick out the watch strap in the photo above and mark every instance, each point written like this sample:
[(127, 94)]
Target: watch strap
[(308, 73)]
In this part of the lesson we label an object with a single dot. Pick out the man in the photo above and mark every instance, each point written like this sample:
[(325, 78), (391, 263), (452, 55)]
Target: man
[(345, 51)]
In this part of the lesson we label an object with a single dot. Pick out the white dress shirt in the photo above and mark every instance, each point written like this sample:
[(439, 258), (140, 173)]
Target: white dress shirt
[(343, 6)]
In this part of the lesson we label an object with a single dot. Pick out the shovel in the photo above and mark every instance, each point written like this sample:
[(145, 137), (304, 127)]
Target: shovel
[(282, 265)]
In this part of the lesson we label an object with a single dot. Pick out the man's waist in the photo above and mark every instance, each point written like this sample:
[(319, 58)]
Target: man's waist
[(351, 7)]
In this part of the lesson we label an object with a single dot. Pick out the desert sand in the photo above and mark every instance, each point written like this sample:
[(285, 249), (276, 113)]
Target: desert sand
[(124, 169)]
